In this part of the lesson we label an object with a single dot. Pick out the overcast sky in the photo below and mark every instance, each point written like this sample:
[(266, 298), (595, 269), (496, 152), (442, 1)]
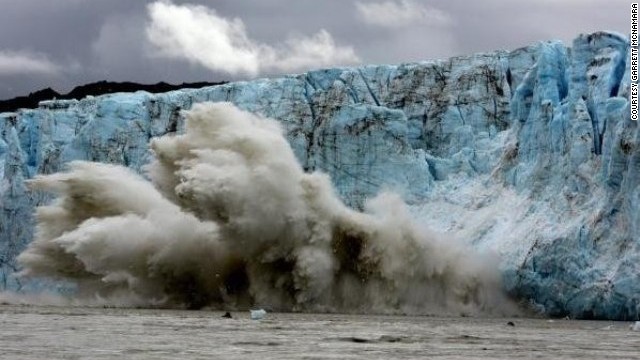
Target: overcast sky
[(63, 43)]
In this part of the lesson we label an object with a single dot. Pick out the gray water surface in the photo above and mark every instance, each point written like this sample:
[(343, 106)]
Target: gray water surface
[(28, 332)]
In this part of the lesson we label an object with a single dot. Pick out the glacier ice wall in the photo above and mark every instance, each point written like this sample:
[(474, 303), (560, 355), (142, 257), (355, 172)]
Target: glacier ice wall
[(230, 219), (529, 152)]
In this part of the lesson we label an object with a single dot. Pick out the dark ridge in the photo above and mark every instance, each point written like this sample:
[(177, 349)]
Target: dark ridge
[(98, 88)]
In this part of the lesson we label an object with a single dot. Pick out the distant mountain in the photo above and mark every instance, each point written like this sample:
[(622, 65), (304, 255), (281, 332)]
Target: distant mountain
[(95, 89)]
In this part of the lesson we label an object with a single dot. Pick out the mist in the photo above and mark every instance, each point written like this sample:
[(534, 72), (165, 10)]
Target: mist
[(225, 217)]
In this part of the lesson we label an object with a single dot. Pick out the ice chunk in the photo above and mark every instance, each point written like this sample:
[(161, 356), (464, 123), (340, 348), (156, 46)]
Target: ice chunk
[(258, 314)]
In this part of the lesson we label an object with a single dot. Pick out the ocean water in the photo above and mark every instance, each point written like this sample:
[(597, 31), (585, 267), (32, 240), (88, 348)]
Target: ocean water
[(34, 332)]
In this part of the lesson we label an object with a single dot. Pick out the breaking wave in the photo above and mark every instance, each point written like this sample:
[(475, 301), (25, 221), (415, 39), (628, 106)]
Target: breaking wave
[(231, 220)]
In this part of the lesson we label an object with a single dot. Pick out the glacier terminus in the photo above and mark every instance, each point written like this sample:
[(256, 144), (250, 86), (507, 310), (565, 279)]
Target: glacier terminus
[(530, 153)]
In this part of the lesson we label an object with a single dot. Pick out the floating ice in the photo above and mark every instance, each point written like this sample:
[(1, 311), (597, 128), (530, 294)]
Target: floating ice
[(258, 314)]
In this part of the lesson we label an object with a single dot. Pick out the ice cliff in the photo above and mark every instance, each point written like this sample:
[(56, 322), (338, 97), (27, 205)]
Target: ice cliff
[(530, 152)]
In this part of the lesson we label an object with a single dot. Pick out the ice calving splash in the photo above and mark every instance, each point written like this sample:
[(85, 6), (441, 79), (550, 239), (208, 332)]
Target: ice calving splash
[(231, 220)]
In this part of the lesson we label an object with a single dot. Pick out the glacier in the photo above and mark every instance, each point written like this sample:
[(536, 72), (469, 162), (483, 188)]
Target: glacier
[(530, 153)]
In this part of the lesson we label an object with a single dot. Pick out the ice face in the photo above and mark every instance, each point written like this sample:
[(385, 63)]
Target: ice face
[(529, 152), (228, 218)]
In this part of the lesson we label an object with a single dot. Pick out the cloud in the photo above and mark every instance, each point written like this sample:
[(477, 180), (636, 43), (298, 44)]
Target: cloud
[(307, 52), (26, 63), (400, 14), (199, 35)]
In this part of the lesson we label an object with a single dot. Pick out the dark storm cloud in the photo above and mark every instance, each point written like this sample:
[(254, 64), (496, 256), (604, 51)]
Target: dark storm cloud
[(61, 30), (89, 40)]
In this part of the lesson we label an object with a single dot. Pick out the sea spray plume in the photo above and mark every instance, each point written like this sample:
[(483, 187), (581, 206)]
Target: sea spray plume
[(230, 219), (110, 229)]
